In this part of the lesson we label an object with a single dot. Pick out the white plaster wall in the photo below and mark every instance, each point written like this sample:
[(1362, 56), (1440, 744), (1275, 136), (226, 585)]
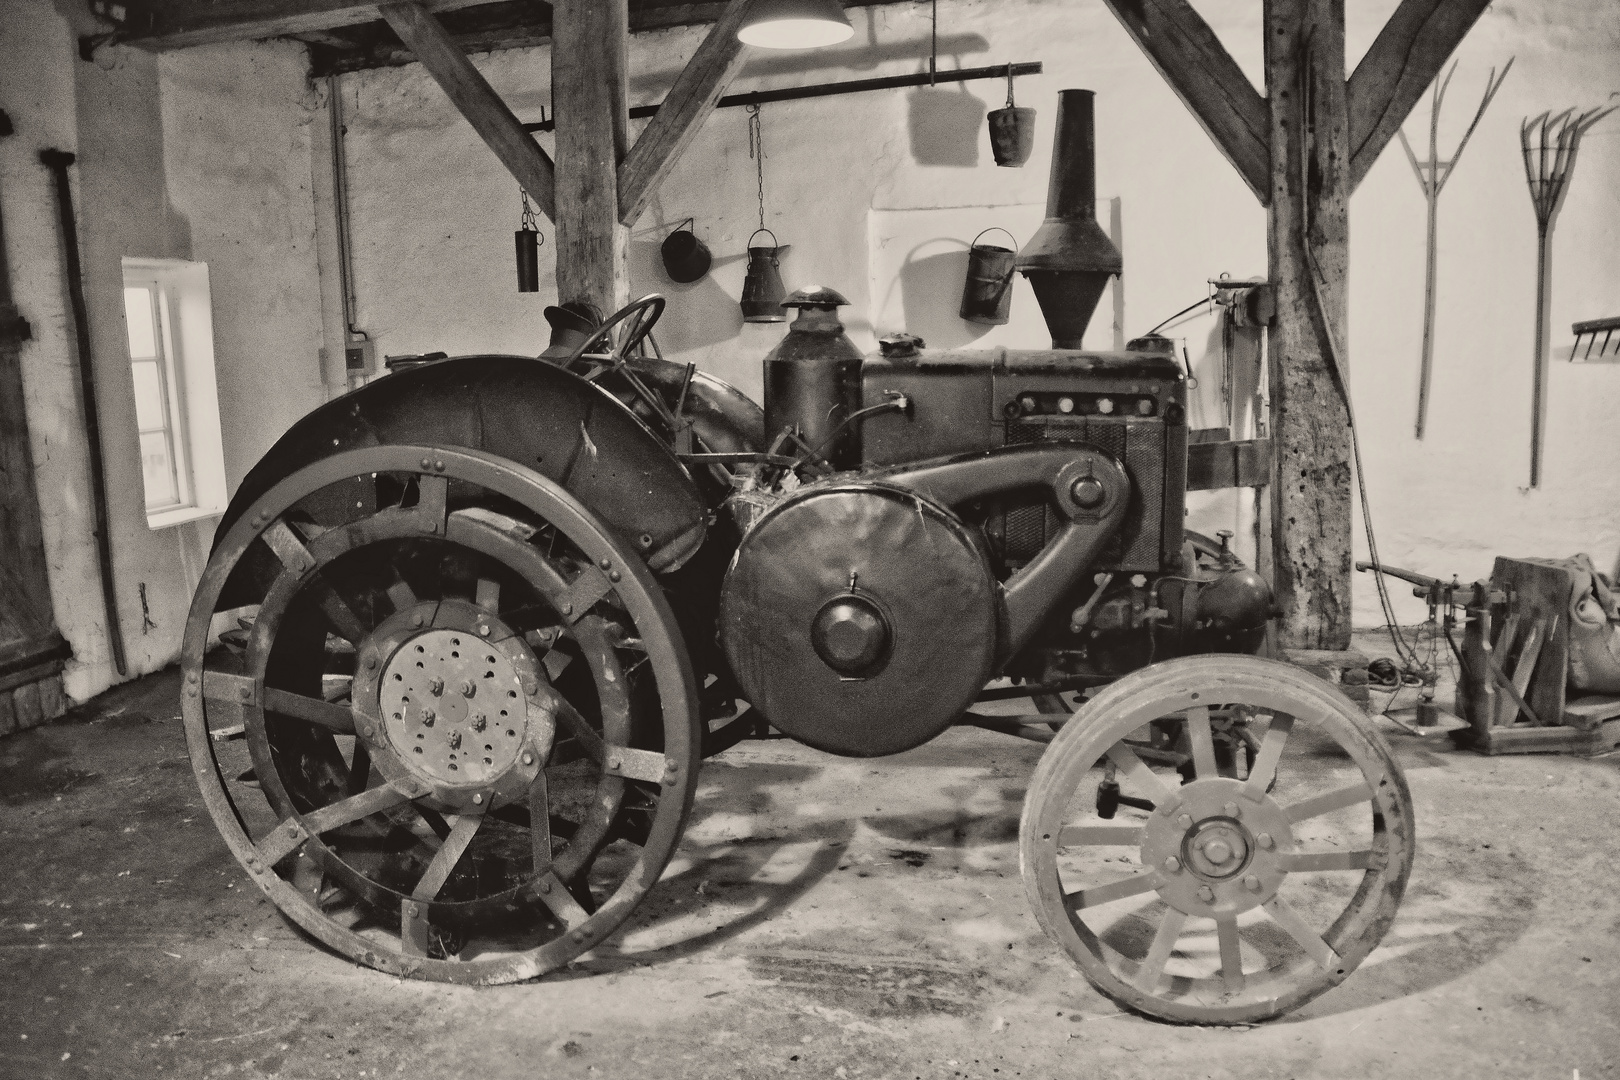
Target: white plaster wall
[(433, 213), (204, 156), (36, 90)]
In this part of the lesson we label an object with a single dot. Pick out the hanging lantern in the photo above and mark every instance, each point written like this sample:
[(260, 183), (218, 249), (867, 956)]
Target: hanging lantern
[(1012, 131), (763, 291), (686, 258), (527, 240), (987, 296)]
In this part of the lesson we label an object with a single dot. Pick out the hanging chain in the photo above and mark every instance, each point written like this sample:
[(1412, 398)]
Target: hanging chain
[(528, 222), (756, 150)]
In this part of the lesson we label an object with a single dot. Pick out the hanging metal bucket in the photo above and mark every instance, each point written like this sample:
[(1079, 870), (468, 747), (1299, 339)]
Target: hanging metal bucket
[(686, 258), (1012, 130), (762, 292), (987, 295)]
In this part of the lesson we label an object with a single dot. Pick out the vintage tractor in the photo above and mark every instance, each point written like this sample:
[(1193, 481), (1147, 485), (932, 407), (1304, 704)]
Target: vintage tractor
[(488, 615)]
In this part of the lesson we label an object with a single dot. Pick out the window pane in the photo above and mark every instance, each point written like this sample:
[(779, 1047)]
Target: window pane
[(138, 317), (148, 395), (158, 470)]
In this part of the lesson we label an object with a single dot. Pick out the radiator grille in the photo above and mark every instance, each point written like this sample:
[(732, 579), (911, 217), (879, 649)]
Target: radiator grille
[(1141, 446)]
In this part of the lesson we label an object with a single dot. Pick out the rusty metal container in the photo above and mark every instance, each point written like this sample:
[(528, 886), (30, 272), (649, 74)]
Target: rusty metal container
[(813, 379)]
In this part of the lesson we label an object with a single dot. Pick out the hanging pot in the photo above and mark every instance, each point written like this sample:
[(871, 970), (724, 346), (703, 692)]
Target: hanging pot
[(1012, 131), (763, 292), (528, 259), (987, 295), (686, 258)]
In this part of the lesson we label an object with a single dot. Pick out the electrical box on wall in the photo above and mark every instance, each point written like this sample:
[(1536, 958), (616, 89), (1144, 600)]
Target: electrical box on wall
[(360, 357)]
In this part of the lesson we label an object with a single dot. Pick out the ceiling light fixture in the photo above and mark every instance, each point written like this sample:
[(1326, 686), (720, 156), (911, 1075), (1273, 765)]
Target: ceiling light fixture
[(796, 24)]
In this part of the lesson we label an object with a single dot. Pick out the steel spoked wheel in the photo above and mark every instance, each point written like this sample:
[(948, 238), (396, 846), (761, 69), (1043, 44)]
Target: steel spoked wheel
[(459, 738), (1243, 892)]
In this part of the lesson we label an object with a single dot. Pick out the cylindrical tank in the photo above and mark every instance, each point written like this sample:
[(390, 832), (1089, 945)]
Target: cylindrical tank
[(813, 380)]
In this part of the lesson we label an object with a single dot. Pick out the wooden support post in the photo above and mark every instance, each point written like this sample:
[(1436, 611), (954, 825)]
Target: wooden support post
[(588, 92), (476, 100), (688, 103), (1308, 246)]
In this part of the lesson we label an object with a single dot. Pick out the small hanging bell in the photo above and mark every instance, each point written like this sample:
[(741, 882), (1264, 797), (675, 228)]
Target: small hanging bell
[(763, 292)]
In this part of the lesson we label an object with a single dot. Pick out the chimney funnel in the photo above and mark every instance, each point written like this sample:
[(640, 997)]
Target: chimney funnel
[(1069, 259)]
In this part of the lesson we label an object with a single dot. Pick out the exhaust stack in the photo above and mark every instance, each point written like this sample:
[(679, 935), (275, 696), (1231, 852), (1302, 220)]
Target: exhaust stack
[(1070, 259)]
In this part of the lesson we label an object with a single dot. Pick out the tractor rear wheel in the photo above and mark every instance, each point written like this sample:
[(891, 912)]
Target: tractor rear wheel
[(1245, 891), (459, 740)]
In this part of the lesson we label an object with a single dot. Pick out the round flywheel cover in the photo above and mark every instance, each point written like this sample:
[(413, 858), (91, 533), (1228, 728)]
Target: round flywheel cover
[(920, 567)]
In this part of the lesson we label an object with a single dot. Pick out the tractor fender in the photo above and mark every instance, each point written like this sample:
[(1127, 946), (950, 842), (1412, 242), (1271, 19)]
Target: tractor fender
[(524, 410)]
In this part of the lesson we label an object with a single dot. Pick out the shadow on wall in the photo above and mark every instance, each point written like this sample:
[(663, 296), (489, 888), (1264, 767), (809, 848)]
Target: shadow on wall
[(699, 314), (945, 126), (931, 293)]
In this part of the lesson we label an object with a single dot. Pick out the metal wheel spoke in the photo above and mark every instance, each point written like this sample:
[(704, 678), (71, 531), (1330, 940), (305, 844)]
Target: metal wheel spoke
[(1329, 801), (401, 595), (1329, 860), (588, 738), (1100, 835), (1143, 777), (355, 807), (359, 768), (1264, 769), (540, 823), (633, 764), (555, 895), (288, 547), (339, 615), (449, 854), (489, 595), (1118, 889), (1203, 743), (330, 715), (292, 832), (1164, 942), (1226, 932), (1296, 928), (432, 502)]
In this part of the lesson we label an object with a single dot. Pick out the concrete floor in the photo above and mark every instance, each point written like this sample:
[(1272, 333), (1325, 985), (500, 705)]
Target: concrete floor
[(825, 917)]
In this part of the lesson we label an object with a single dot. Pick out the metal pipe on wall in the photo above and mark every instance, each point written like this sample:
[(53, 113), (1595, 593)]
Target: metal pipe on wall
[(853, 86), (58, 161)]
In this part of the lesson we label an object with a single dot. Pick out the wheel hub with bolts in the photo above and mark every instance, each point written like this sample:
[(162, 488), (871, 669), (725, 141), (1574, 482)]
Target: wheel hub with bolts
[(1219, 853), (453, 698)]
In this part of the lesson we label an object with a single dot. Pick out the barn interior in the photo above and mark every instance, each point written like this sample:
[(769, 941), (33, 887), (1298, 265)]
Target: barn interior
[(1115, 351)]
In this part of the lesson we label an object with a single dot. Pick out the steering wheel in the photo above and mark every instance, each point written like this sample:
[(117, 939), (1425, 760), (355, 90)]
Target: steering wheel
[(640, 314)]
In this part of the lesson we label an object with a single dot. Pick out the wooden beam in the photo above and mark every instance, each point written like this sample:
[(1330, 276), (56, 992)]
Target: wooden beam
[(680, 117), (476, 100), (589, 92), (1404, 59), (1208, 81), (1308, 247), (178, 26)]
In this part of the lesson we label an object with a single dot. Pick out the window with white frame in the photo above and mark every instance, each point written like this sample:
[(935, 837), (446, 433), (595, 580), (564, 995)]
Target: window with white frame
[(169, 329)]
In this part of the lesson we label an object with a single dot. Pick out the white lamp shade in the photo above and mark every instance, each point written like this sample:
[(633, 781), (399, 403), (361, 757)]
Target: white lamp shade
[(796, 24)]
